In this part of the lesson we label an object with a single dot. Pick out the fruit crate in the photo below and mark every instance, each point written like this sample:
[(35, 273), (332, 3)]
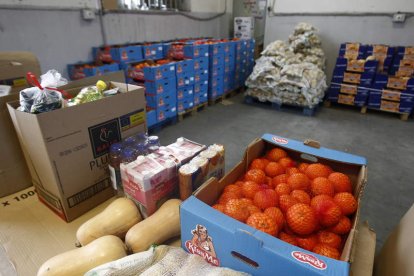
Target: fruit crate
[(234, 244)]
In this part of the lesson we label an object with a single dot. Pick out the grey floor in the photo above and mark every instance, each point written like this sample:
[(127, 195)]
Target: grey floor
[(386, 142)]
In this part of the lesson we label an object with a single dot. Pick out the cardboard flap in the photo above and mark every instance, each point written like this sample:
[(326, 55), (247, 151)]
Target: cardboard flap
[(250, 241), (319, 152), (115, 77), (364, 251)]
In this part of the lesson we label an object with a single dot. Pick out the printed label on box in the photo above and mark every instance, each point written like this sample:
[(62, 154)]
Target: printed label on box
[(132, 119), (346, 99), (405, 72), (391, 95), (409, 51), (309, 259), (407, 63), (88, 192), (349, 89), (379, 50), (202, 244), (102, 136), (397, 83), (352, 78), (15, 82), (355, 65), (390, 106)]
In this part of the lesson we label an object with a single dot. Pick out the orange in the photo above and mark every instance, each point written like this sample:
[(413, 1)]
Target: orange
[(253, 209), (329, 238), (307, 242), (227, 196), (263, 222), (219, 207), (317, 170), (301, 219), (283, 189), (327, 211), (249, 189), (346, 202), (301, 196), (326, 250), (302, 167), (322, 186), (341, 182), (255, 175), (342, 227), (259, 163), (287, 162), (277, 215), (298, 181), (237, 210), (266, 198), (239, 183), (282, 178), (288, 238), (246, 201), (286, 201), (233, 188), (292, 170), (274, 169), (275, 154)]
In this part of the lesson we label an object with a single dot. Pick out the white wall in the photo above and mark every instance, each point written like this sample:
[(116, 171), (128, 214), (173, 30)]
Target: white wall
[(61, 37), (214, 6)]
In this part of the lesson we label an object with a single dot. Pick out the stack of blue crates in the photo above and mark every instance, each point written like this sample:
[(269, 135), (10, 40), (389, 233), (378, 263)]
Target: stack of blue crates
[(377, 76), (229, 66), (244, 61), (200, 55), (216, 70), (185, 84)]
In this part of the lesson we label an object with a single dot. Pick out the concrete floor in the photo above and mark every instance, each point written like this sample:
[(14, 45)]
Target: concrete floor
[(382, 138)]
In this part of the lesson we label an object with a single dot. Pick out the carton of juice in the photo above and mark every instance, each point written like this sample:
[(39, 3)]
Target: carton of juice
[(149, 181)]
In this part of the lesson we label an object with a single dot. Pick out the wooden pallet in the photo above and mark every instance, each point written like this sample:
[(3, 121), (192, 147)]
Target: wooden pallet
[(284, 107), (192, 111), (403, 116), (327, 103), (227, 95), (159, 126)]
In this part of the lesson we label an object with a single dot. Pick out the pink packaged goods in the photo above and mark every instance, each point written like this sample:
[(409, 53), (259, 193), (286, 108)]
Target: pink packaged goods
[(151, 180)]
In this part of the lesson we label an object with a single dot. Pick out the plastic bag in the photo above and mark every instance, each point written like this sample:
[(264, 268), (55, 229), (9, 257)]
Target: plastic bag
[(44, 96)]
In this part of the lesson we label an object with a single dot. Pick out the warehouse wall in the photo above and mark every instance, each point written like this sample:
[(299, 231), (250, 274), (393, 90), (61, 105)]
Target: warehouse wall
[(334, 30), (62, 37)]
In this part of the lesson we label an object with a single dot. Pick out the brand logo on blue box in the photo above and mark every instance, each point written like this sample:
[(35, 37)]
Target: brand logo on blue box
[(202, 245), (309, 259), (279, 140)]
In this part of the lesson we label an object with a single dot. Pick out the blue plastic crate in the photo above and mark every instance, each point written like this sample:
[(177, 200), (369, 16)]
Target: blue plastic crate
[(230, 48), (201, 87), (118, 53), (230, 60), (196, 50), (217, 60), (159, 72), (201, 64), (163, 86), (78, 70), (151, 118), (200, 98), (153, 51), (185, 104), (185, 79), (185, 92), (161, 100), (184, 66), (216, 71), (201, 76), (216, 49), (166, 48), (166, 112)]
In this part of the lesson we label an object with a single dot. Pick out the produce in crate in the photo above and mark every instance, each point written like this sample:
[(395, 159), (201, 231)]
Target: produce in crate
[(78, 261), (161, 226), (306, 205), (116, 220)]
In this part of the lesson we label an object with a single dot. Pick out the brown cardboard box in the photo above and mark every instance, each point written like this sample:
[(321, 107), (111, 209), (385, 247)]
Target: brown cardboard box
[(110, 5), (14, 175), (66, 149), (395, 257)]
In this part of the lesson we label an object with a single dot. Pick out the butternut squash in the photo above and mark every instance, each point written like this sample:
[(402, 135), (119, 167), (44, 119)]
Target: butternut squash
[(80, 260), (174, 242), (164, 224), (116, 220)]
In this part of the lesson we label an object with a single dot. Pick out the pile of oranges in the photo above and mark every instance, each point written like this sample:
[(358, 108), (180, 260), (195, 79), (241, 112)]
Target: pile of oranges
[(307, 205)]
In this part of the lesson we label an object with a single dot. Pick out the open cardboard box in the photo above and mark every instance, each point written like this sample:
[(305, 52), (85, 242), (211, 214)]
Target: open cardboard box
[(241, 247), (66, 149)]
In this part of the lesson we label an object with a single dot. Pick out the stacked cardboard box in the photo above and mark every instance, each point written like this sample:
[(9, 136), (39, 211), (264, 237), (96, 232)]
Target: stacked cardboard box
[(244, 27), (185, 84), (403, 63), (244, 61)]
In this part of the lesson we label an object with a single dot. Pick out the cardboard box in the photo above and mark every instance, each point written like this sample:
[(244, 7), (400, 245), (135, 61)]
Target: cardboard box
[(201, 76), (201, 87), (166, 112), (200, 98), (66, 149), (81, 70), (383, 81), (153, 51), (358, 66), (195, 50), (117, 53), (151, 118), (241, 247), (185, 79), (338, 91), (110, 5), (395, 257), (185, 92), (352, 50), (201, 64), (14, 174), (30, 234), (163, 86), (185, 104), (244, 27), (158, 101)]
